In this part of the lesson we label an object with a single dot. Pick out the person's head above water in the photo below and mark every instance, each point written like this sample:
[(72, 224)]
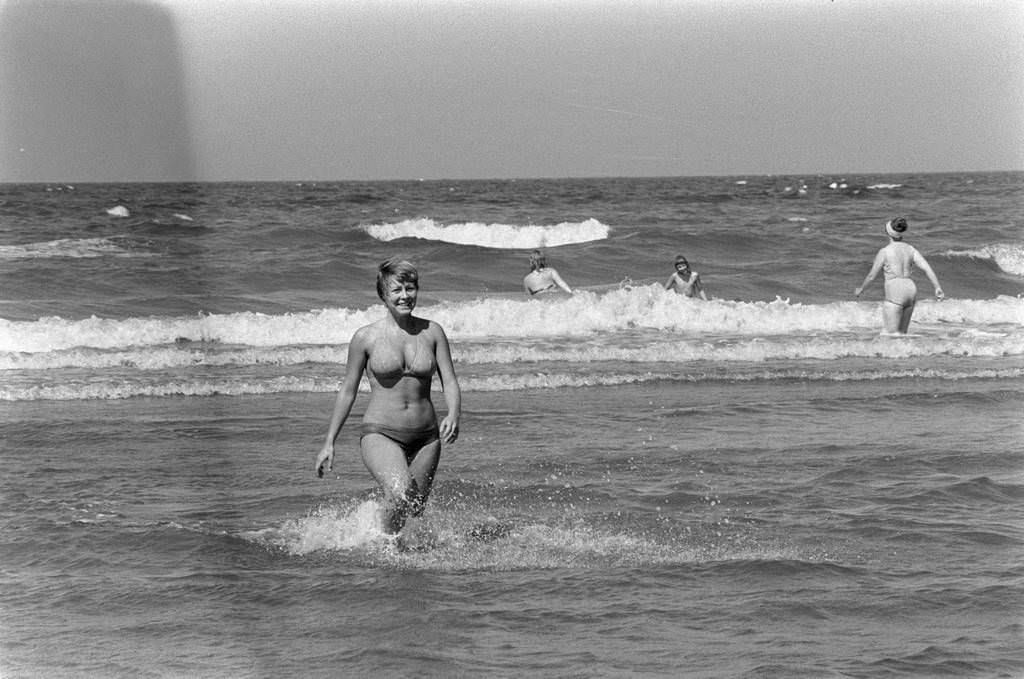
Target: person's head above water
[(537, 261), (398, 270), (895, 228), (680, 260)]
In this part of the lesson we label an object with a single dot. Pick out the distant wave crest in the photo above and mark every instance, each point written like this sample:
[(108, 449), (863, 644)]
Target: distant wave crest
[(1008, 256), (76, 248), (505, 236)]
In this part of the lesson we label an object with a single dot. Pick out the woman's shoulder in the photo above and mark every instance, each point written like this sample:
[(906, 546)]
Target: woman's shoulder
[(904, 248), (368, 331), (435, 331), (431, 326)]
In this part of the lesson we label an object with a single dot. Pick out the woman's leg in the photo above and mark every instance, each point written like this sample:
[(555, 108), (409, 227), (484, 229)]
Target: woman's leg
[(908, 311), (891, 315), (406, 483), (422, 468), (386, 461)]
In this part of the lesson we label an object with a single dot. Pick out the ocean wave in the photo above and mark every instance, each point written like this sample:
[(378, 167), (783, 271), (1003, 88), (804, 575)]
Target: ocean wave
[(167, 357), (504, 236), (621, 348), (75, 248), (1008, 256), (243, 328), (119, 388), (640, 309), (822, 348)]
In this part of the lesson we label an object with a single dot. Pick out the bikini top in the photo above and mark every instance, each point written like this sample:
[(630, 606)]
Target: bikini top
[(688, 281), (534, 292), (391, 361)]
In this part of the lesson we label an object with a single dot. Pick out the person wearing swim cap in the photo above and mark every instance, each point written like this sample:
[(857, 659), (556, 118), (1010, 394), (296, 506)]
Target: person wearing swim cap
[(684, 281), (897, 261), (542, 278)]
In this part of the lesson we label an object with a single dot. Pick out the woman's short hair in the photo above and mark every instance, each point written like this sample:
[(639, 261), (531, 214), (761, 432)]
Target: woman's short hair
[(537, 261), (397, 269)]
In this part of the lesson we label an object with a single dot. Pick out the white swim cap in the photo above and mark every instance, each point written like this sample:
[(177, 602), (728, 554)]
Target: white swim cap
[(895, 228)]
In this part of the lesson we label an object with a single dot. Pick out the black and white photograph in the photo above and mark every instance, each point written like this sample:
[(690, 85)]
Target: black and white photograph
[(560, 339)]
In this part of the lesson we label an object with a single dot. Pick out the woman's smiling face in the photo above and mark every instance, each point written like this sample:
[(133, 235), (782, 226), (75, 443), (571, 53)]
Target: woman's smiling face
[(400, 295)]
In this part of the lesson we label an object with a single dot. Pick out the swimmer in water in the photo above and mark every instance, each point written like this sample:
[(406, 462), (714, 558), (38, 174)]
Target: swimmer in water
[(897, 260), (400, 438), (542, 278), (684, 281)]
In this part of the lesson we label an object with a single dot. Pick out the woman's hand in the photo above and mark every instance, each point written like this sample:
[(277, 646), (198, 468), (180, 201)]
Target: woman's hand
[(325, 460), (856, 293), (449, 429)]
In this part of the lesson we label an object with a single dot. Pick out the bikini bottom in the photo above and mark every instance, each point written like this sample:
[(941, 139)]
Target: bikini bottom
[(410, 440), (900, 291)]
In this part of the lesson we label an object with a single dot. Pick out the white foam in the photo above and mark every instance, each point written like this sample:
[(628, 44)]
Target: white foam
[(443, 540), (507, 236), (76, 248), (349, 526), (164, 357), (245, 328), (629, 349), (647, 308), (118, 388), (1008, 256)]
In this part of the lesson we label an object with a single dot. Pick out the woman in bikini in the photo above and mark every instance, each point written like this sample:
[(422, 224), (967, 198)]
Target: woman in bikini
[(400, 437), (897, 260), (542, 278), (684, 281)]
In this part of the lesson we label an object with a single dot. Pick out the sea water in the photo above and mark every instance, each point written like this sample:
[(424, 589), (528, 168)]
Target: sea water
[(760, 485)]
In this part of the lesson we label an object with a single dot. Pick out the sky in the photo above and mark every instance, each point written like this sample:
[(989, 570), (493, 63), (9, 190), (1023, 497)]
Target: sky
[(311, 90)]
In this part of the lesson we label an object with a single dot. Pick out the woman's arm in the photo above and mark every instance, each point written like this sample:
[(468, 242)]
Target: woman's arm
[(354, 366), (922, 264), (671, 282), (698, 285), (875, 268), (449, 383), (558, 280)]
